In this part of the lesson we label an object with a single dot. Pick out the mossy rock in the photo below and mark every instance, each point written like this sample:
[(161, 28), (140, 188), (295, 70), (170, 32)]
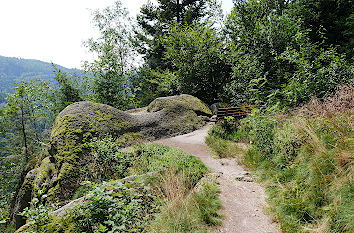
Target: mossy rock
[(24, 197), (75, 126), (78, 123), (62, 169), (190, 102)]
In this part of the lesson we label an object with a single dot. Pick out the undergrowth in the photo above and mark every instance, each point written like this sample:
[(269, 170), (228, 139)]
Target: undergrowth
[(162, 199), (306, 159), (10, 172), (187, 210), (222, 138)]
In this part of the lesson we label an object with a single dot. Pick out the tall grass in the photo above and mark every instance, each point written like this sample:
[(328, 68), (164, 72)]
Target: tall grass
[(306, 157), (222, 138), (186, 210)]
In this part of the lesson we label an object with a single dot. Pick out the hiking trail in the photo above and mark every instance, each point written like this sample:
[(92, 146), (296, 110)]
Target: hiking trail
[(243, 200)]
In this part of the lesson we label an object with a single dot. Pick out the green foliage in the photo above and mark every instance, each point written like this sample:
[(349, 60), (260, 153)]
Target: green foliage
[(150, 84), (38, 215), (258, 29), (29, 111), (114, 57), (108, 161), (274, 60), (154, 22), (9, 228), (328, 20), (116, 206), (68, 91), (10, 173), (306, 159), (317, 73), (110, 207), (160, 29), (196, 54), (113, 207), (222, 137), (154, 158)]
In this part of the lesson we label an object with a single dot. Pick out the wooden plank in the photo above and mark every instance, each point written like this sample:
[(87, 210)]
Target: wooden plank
[(236, 112)]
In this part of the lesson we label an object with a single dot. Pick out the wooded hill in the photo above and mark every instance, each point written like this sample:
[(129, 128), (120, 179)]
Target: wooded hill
[(16, 69)]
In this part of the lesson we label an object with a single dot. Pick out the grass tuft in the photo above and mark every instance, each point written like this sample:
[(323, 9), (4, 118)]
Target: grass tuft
[(187, 210)]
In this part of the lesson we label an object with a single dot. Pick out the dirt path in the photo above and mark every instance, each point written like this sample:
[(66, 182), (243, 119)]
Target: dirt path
[(243, 201)]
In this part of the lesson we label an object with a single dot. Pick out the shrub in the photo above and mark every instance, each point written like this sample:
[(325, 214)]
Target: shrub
[(111, 207), (109, 162), (307, 159), (186, 210), (156, 158), (228, 129)]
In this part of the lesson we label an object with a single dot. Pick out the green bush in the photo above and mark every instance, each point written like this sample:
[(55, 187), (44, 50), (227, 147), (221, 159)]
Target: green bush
[(222, 137), (118, 206), (111, 207), (273, 58), (156, 158), (307, 160), (109, 162), (228, 129)]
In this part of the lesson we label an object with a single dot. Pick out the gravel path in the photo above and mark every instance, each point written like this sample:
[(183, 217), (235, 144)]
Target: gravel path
[(243, 200)]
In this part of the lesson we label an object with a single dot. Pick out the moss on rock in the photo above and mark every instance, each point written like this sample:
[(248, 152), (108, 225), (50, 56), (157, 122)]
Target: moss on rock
[(75, 126), (24, 197), (46, 173), (190, 102), (63, 168)]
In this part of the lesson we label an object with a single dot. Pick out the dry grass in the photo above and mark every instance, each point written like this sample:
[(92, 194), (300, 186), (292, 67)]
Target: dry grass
[(184, 209), (310, 155), (341, 101)]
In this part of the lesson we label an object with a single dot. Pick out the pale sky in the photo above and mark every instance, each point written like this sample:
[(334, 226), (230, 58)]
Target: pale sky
[(54, 30)]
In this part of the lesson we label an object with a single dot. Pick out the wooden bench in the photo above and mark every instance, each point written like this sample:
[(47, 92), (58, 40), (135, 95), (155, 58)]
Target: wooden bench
[(236, 112)]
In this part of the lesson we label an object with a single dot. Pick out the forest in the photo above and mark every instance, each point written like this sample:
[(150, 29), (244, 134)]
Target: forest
[(13, 70), (294, 58)]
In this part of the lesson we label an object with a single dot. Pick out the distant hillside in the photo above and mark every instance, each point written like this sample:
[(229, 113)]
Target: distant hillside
[(16, 69)]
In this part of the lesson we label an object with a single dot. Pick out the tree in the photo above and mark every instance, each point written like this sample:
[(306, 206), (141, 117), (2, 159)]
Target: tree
[(114, 57), (258, 30), (196, 54), (154, 23), (27, 114), (67, 90), (329, 21), (274, 59)]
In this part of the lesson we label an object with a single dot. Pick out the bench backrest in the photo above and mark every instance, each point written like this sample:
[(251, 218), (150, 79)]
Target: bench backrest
[(236, 112)]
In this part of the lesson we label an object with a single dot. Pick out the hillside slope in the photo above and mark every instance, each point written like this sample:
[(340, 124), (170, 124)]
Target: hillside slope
[(16, 69)]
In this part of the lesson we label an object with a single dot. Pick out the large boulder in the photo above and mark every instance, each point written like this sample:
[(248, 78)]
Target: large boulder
[(65, 165), (188, 101)]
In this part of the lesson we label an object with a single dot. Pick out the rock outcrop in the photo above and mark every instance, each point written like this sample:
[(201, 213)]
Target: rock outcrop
[(61, 172)]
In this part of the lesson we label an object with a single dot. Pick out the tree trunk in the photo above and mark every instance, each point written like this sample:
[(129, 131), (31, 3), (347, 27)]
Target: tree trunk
[(24, 134), (178, 11)]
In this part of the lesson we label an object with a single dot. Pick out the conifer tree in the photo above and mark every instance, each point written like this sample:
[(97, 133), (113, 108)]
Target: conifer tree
[(154, 21)]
